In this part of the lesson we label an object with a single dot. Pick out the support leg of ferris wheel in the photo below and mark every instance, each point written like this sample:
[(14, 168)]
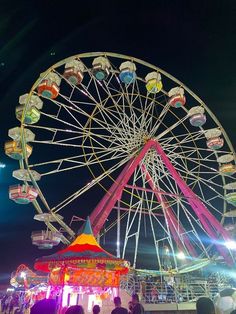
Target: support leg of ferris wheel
[(103, 209), (118, 231), (209, 222), (175, 226)]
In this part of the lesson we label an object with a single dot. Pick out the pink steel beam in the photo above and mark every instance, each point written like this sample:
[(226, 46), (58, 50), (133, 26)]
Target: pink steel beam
[(103, 209), (209, 222), (173, 223)]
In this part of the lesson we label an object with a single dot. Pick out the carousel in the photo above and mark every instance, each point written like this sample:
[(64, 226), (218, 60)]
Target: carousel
[(83, 273), (25, 278), (28, 286)]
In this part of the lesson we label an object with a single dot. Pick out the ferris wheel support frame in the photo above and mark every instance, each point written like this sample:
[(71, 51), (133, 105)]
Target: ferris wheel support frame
[(209, 222), (170, 216)]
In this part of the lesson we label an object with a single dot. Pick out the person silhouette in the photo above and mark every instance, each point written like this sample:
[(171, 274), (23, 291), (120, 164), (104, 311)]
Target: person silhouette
[(48, 306), (96, 309), (137, 307), (75, 309), (118, 308), (205, 305)]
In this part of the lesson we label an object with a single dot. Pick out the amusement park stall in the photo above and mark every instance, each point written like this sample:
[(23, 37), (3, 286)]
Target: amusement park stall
[(83, 273)]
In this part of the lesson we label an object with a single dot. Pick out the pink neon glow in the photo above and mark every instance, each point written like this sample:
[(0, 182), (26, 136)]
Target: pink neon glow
[(48, 292), (209, 222), (65, 292)]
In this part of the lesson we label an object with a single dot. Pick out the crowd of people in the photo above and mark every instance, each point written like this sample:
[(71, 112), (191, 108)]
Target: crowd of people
[(10, 302), (204, 305), (50, 306)]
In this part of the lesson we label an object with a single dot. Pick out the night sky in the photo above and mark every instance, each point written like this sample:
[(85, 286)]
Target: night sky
[(195, 41)]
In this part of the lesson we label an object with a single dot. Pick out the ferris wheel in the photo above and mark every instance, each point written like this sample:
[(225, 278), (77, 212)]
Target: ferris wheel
[(137, 149)]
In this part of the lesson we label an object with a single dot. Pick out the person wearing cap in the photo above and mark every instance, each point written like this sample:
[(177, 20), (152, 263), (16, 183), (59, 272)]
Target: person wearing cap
[(118, 308)]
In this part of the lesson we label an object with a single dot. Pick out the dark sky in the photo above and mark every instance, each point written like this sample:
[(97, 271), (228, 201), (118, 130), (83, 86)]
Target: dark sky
[(195, 41)]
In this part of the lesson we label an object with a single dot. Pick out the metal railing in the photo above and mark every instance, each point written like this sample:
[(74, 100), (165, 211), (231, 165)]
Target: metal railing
[(176, 289)]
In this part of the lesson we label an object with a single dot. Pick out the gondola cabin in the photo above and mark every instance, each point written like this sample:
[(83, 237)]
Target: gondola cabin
[(127, 72), (153, 82), (49, 87), (197, 116), (215, 143), (231, 198), (227, 169), (22, 194), (31, 115), (101, 68), (176, 97), (14, 150), (16, 133), (45, 239), (24, 175), (74, 72)]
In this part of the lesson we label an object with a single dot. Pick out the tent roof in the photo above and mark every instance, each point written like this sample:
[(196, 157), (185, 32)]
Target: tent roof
[(84, 249)]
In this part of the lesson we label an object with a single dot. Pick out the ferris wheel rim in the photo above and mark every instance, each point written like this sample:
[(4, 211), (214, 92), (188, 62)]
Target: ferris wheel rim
[(127, 57)]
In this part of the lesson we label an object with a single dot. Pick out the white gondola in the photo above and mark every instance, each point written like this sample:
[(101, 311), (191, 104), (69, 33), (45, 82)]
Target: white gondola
[(197, 116), (25, 175), (45, 239), (101, 67)]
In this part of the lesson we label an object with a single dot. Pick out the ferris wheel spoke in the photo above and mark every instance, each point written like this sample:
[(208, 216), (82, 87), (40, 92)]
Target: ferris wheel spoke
[(168, 185), (171, 128), (79, 163), (189, 154), (183, 139), (100, 101), (196, 163), (147, 107), (195, 177), (213, 210), (61, 121), (163, 173), (208, 187), (83, 132), (69, 106), (108, 115), (197, 240), (206, 199), (197, 169), (206, 181), (147, 117), (132, 95), (121, 128), (53, 129), (160, 122), (81, 191)]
